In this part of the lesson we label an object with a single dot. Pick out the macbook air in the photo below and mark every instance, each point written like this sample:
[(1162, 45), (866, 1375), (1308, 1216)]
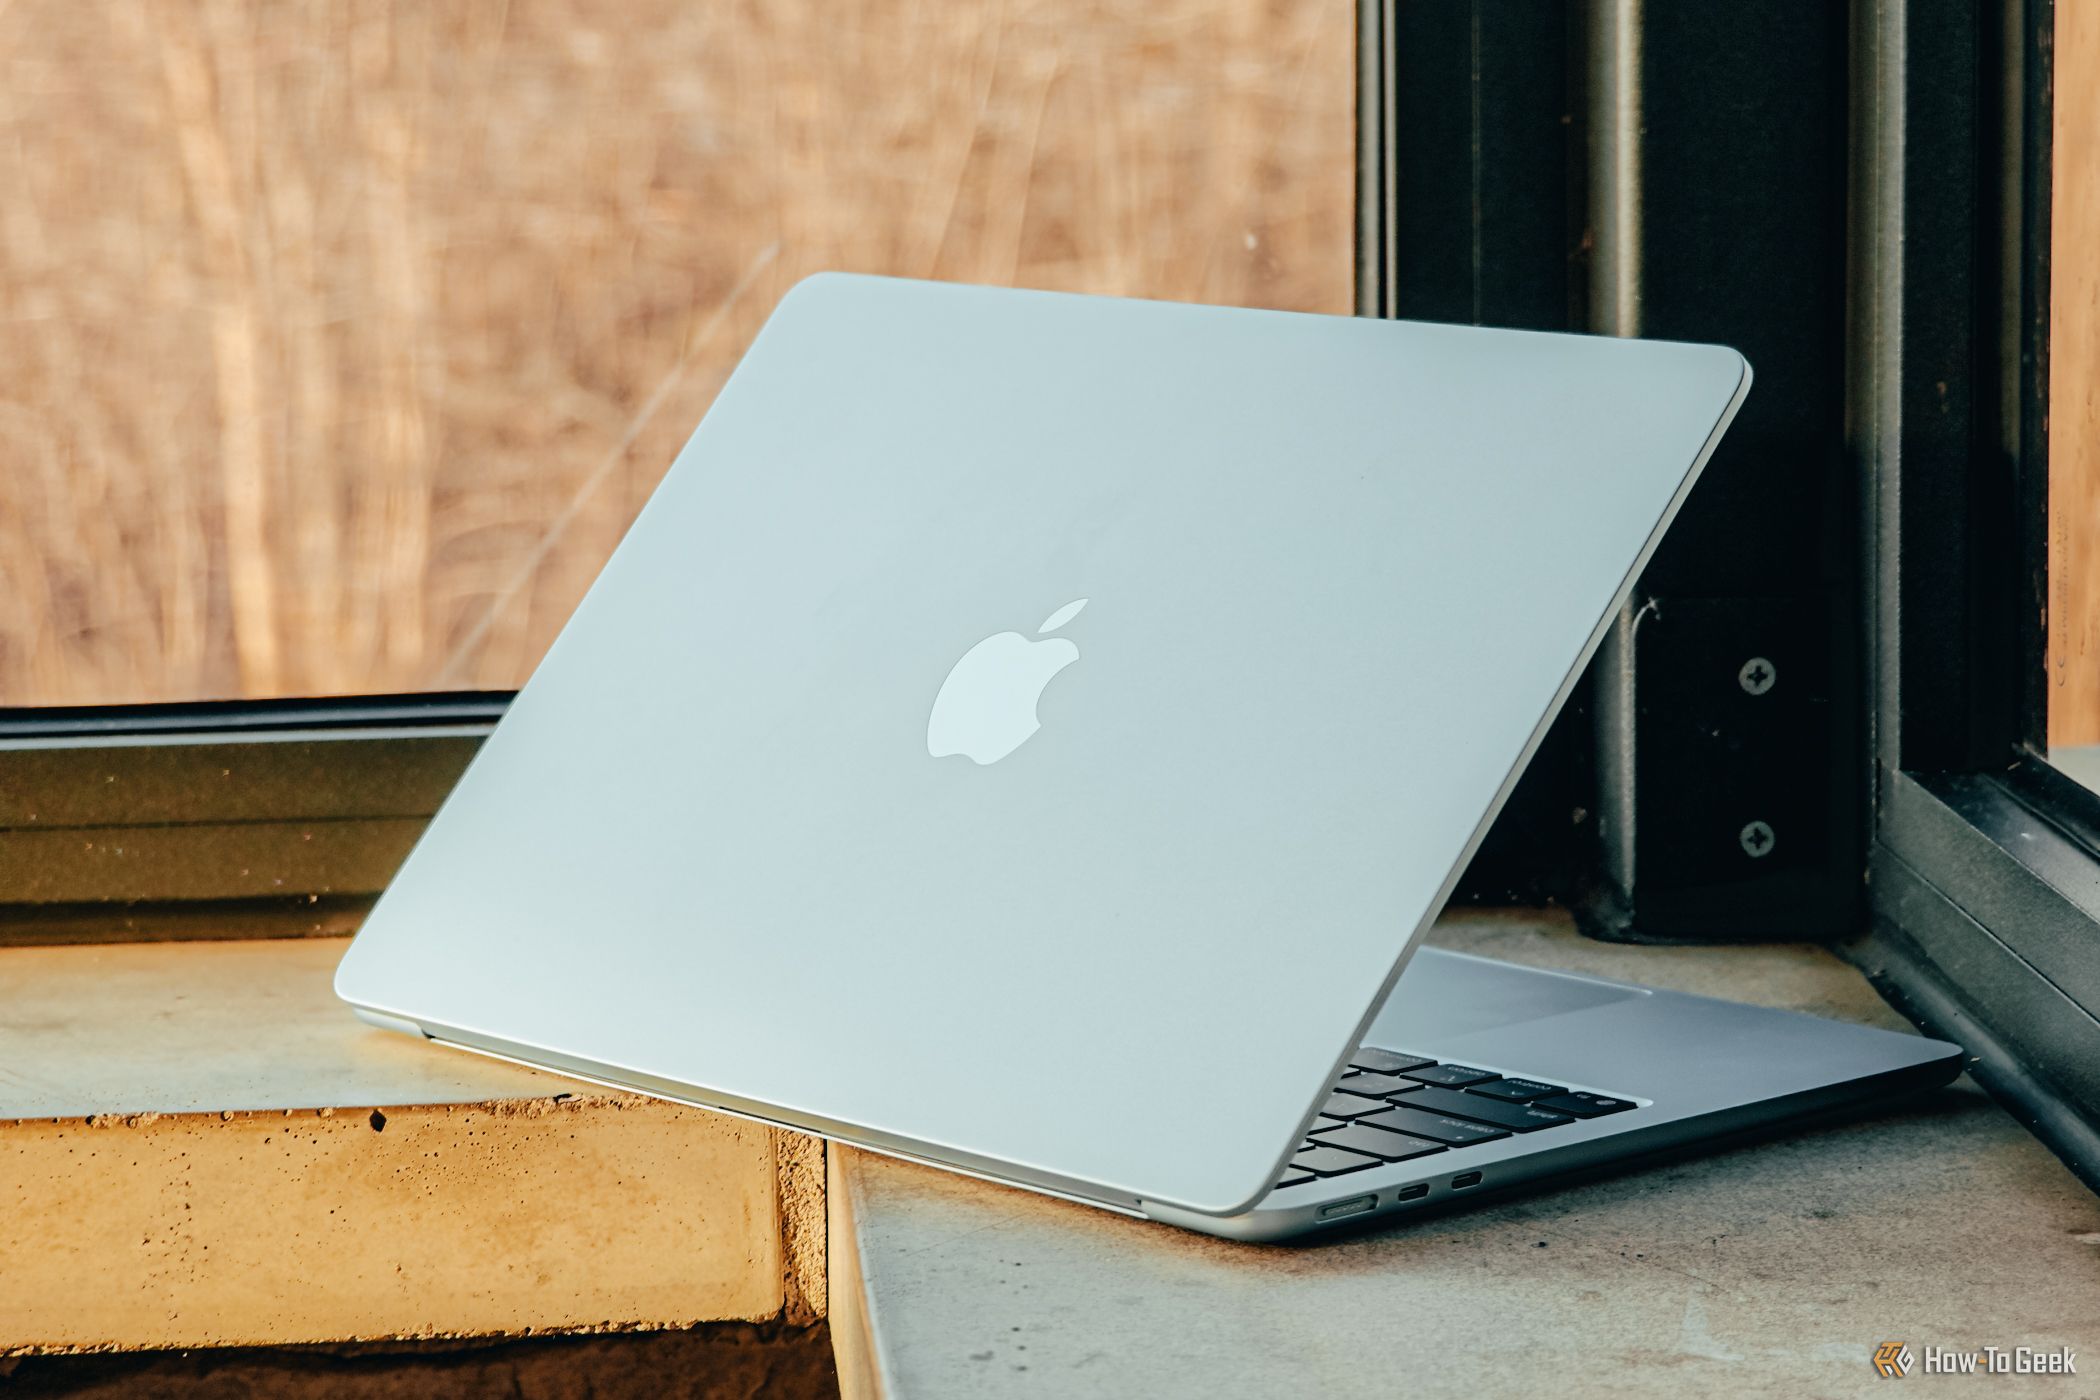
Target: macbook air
[(1030, 733)]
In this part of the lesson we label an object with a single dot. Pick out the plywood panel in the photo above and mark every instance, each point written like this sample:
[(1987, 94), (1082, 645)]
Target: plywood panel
[(340, 341), (2074, 386)]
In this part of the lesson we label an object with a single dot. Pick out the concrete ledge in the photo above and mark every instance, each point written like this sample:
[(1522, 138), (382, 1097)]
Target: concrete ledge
[(1769, 1270), (200, 1147), (853, 1344)]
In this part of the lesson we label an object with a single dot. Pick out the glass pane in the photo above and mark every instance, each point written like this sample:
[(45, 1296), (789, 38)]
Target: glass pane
[(342, 341), (2073, 650)]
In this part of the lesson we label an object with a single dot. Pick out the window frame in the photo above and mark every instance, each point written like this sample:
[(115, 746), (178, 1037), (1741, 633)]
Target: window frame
[(1984, 865), (223, 819)]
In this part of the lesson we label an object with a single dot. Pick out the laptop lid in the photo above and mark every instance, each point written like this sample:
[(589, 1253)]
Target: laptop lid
[(1029, 731)]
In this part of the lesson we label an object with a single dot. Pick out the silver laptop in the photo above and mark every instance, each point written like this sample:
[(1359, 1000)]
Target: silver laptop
[(1029, 733)]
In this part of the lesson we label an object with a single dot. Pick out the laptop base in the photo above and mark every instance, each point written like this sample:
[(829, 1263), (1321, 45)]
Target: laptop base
[(1480, 1078)]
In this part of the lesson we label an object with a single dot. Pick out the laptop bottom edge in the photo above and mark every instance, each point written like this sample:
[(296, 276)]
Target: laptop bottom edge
[(1434, 1185), (671, 1091)]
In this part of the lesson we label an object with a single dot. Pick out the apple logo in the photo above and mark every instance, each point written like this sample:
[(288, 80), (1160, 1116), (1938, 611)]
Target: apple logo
[(986, 707)]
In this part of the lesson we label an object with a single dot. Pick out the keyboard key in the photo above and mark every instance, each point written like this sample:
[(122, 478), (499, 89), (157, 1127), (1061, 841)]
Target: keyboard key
[(1452, 1132), (1374, 1086), (1452, 1076), (1385, 1146), (1330, 1161), (1517, 1090), (1386, 1061), (1294, 1177), (1347, 1106), (1517, 1117), (1581, 1105)]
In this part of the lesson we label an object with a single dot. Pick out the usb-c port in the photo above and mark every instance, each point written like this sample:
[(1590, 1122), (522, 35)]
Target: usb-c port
[(1413, 1193), (1465, 1179)]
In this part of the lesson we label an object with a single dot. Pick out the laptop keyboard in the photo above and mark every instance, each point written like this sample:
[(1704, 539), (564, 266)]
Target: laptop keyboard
[(1389, 1107)]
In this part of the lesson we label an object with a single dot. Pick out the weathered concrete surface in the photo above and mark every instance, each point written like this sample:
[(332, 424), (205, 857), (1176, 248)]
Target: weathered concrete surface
[(200, 1027), (200, 1147), (1764, 1271)]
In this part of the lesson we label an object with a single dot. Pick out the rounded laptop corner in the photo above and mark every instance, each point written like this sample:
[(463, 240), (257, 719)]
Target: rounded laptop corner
[(385, 1022)]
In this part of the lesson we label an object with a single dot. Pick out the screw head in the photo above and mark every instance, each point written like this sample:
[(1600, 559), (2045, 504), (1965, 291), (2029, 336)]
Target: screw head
[(1756, 839), (1757, 675)]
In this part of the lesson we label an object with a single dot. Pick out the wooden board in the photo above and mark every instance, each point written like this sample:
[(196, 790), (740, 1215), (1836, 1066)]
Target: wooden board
[(340, 342)]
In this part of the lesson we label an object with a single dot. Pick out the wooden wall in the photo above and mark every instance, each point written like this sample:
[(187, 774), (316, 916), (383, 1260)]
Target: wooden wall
[(2074, 385), (340, 339)]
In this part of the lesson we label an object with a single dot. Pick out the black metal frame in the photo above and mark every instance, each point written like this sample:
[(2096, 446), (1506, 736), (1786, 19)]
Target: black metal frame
[(1985, 865), (1673, 171), (1950, 859), (1718, 198), (1470, 166)]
